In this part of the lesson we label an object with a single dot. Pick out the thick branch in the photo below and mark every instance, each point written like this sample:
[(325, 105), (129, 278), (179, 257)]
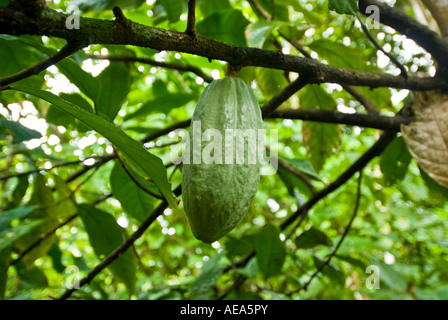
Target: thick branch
[(354, 119), (95, 31), (425, 37)]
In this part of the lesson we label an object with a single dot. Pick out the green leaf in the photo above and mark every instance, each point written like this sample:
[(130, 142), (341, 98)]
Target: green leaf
[(115, 84), (331, 271), (163, 104), (144, 162), (5, 256), (294, 184), (16, 57), (136, 202), (394, 161), (270, 81), (269, 250), (238, 247), (101, 5), (353, 261), (201, 287), (257, 33), (60, 118), (227, 26), (321, 140), (311, 238), (20, 132), (173, 9), (105, 236), (343, 6), (278, 10), (6, 217), (209, 7), (436, 190), (391, 277), (302, 165), (251, 269), (340, 55), (18, 193), (30, 277), (10, 235)]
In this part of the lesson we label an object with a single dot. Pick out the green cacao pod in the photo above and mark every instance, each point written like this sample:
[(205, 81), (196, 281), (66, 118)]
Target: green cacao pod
[(221, 167)]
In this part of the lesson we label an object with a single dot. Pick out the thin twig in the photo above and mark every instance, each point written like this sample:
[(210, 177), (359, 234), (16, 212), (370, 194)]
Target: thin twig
[(167, 65), (134, 179), (380, 48), (333, 252), (122, 248), (42, 237), (284, 95), (302, 212), (191, 20), (66, 51), (54, 166)]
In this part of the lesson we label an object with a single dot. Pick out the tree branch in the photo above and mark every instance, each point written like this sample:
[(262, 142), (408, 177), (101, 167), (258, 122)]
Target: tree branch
[(167, 65), (374, 151), (51, 23), (283, 95), (425, 37), (333, 252), (370, 107), (353, 119), (380, 48), (358, 165), (122, 248), (191, 20), (134, 179), (67, 50)]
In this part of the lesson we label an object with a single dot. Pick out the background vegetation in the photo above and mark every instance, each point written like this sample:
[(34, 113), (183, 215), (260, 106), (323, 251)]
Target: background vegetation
[(74, 187)]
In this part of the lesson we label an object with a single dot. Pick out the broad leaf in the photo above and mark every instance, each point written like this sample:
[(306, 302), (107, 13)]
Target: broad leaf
[(311, 238), (6, 217), (164, 104), (321, 140), (143, 161), (58, 117), (257, 33), (136, 202), (343, 6), (202, 286), (227, 26), (270, 81), (331, 271), (20, 132), (269, 250), (5, 256), (394, 161), (115, 84), (99, 5), (339, 55), (105, 236), (173, 9), (10, 235), (208, 7)]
